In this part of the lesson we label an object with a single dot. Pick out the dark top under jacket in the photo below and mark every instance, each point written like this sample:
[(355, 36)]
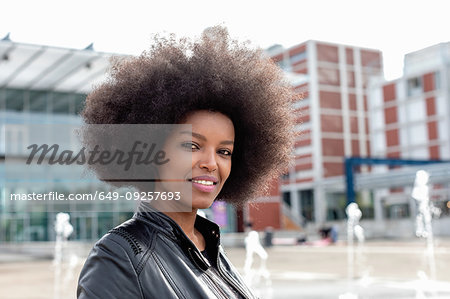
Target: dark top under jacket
[(149, 256)]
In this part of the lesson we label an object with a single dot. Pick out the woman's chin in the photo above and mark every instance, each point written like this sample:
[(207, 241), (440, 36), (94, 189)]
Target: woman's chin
[(201, 204)]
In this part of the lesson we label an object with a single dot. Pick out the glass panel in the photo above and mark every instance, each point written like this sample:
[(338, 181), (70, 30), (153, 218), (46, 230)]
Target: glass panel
[(328, 76), (62, 103), (414, 86), (38, 101), (79, 100), (14, 100), (287, 198), (307, 204), (336, 203), (396, 211), (365, 201)]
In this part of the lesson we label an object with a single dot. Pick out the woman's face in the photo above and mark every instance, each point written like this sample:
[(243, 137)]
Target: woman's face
[(210, 145)]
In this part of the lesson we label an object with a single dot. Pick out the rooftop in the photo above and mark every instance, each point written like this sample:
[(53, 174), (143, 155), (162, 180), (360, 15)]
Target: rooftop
[(41, 67)]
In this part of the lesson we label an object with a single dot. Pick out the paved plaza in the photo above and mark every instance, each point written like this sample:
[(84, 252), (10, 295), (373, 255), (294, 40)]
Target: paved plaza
[(381, 269)]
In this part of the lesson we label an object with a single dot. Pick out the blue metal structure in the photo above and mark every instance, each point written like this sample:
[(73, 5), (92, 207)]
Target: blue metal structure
[(351, 162)]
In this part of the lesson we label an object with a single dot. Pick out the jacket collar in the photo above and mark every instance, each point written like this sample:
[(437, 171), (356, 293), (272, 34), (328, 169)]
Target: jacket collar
[(166, 225)]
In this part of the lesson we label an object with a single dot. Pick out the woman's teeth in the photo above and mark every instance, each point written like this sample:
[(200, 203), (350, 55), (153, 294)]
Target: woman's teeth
[(206, 183)]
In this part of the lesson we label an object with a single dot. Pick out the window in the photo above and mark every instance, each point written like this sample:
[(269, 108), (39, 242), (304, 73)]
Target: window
[(14, 99), (336, 203), (283, 65), (414, 86), (287, 198), (396, 211), (437, 80), (307, 204), (328, 76), (298, 57), (365, 201)]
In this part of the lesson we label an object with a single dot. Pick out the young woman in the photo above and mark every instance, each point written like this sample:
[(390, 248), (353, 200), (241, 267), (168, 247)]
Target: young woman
[(237, 104)]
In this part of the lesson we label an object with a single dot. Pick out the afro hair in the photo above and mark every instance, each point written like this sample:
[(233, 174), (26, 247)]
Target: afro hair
[(213, 72)]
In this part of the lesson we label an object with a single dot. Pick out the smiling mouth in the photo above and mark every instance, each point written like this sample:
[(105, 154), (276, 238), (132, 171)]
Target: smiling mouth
[(203, 182)]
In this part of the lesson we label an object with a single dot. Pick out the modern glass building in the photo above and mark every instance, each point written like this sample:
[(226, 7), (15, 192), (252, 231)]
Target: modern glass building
[(42, 85), (45, 87)]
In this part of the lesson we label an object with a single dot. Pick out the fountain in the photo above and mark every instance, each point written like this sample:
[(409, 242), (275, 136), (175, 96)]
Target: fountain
[(354, 229), (424, 228), (63, 230), (259, 280)]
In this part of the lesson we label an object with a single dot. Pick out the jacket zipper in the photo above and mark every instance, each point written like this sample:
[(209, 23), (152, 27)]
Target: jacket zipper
[(229, 280), (210, 279), (215, 286), (221, 272)]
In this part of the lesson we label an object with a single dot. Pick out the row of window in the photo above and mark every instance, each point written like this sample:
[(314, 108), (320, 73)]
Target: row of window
[(415, 85), (41, 101)]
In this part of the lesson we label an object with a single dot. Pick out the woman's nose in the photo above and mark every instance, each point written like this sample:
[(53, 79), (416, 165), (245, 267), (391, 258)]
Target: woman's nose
[(208, 161)]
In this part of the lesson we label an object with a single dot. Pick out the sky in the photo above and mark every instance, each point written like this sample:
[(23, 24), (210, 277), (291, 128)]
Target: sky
[(396, 27)]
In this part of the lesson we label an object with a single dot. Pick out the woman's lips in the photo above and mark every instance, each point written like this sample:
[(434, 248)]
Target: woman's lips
[(204, 183), (203, 188)]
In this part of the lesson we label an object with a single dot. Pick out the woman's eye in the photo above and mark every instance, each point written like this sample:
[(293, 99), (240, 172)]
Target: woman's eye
[(225, 152), (190, 146)]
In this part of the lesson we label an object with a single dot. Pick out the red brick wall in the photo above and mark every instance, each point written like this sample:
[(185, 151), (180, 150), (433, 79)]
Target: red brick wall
[(327, 53), (303, 166), (329, 76), (351, 79), (264, 214), (428, 82), (305, 180), (302, 115), (305, 156), (432, 130), (349, 55), (393, 154), (390, 115), (332, 147), (354, 124), (392, 138), (333, 169), (277, 58), (304, 140), (301, 71), (431, 106), (434, 152), (352, 101), (331, 123), (389, 92), (370, 58), (330, 99), (297, 49), (273, 187), (355, 147)]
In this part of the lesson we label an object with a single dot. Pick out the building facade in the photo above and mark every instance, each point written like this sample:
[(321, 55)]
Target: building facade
[(349, 110), (332, 117), (45, 87), (410, 119)]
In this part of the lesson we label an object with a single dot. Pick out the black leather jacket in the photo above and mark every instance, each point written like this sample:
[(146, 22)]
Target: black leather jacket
[(149, 256)]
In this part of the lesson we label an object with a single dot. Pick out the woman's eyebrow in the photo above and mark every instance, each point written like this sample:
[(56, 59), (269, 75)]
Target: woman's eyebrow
[(200, 136)]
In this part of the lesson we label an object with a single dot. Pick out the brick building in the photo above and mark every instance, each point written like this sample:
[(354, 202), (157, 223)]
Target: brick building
[(410, 119), (333, 119)]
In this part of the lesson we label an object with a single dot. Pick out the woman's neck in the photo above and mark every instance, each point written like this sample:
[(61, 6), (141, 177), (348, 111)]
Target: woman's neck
[(186, 220)]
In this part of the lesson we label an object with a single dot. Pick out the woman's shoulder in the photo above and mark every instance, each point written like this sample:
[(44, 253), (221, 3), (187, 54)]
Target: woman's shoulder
[(117, 257), (134, 237)]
